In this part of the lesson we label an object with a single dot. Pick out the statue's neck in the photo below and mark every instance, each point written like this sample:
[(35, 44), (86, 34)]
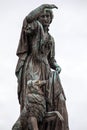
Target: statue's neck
[(46, 29)]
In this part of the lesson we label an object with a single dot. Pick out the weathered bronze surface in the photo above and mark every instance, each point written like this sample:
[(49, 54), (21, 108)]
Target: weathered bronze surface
[(40, 93)]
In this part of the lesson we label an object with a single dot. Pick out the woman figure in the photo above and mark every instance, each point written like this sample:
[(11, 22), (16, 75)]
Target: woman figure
[(36, 52)]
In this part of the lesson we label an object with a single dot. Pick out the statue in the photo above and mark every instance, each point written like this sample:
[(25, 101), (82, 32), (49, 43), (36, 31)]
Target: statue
[(40, 93)]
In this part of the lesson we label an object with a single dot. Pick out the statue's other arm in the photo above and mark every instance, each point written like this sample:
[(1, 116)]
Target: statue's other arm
[(24, 49), (51, 58)]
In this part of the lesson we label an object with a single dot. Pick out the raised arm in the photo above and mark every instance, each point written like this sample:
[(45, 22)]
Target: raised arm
[(33, 15)]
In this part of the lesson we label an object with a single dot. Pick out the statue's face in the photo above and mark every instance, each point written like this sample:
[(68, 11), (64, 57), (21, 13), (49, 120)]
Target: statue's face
[(45, 18)]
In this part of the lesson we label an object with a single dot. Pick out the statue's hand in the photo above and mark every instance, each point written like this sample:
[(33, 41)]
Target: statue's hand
[(32, 83), (58, 69), (50, 6), (40, 83)]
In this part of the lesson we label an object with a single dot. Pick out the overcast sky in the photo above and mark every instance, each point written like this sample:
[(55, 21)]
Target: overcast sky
[(69, 29)]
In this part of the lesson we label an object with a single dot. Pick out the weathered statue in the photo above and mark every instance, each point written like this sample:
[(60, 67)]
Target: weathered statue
[(40, 94)]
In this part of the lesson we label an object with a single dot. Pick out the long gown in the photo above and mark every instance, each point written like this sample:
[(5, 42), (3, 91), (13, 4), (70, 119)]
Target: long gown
[(36, 58)]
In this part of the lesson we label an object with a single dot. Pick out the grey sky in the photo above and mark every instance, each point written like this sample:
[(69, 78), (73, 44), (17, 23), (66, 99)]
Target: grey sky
[(69, 29)]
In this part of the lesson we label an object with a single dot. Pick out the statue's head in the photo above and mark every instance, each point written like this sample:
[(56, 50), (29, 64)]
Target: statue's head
[(46, 17), (43, 14)]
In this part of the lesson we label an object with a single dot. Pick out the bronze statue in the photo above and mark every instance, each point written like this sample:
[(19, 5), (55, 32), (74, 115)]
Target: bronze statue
[(40, 93)]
